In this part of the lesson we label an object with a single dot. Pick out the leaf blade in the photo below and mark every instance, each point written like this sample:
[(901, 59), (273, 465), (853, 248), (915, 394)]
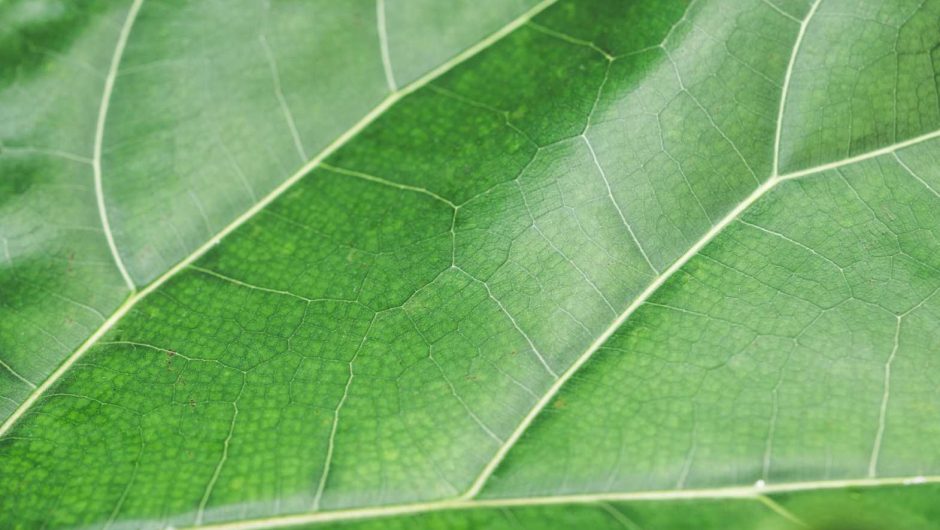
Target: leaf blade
[(347, 304)]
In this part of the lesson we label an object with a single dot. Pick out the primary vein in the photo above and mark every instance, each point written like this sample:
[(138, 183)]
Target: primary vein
[(756, 493)]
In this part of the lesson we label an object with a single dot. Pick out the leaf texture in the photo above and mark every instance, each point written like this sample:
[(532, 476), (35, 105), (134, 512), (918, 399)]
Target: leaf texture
[(644, 265)]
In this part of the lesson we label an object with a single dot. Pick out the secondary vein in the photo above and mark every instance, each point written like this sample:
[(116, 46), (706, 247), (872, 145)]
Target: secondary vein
[(786, 84), (99, 138), (382, 28)]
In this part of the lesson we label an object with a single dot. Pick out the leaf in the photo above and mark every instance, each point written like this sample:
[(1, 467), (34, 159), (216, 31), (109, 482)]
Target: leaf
[(645, 265)]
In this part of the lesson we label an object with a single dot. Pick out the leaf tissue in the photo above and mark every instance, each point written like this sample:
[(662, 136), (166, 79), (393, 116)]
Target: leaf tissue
[(502, 264)]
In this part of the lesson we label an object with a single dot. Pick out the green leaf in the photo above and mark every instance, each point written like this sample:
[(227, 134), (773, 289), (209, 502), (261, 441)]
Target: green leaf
[(643, 265)]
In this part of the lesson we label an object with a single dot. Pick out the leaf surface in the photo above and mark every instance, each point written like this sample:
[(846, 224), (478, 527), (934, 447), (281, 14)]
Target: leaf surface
[(635, 266)]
